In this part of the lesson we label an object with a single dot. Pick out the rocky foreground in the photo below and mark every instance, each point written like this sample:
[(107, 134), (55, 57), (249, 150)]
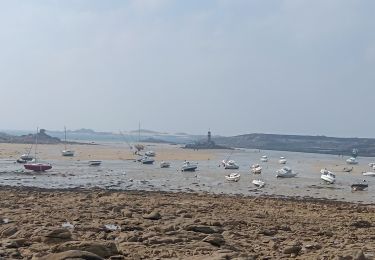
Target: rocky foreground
[(37, 224)]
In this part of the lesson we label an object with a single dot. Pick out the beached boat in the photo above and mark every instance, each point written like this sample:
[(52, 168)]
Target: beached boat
[(189, 167), (67, 152), (327, 176), (347, 169), (259, 183), (372, 165), (164, 164), (256, 169), (27, 157), (282, 160), (370, 174), (147, 160), (150, 153), (35, 165), (264, 158), (359, 186), (231, 165), (95, 163), (352, 161), (233, 177), (285, 172)]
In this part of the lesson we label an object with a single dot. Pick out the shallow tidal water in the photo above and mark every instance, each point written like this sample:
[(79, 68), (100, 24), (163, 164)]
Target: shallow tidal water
[(131, 175)]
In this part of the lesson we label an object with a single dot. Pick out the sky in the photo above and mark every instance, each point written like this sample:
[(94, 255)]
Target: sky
[(232, 66)]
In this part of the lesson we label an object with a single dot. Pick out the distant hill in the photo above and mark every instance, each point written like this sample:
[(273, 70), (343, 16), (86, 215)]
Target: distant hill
[(43, 138), (146, 131), (156, 141), (300, 143)]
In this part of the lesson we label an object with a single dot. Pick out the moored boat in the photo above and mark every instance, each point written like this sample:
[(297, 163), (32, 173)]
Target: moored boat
[(66, 152), (282, 160), (233, 177), (231, 165), (359, 186), (352, 161), (370, 174), (95, 163), (285, 172), (147, 160), (164, 164), (327, 176), (38, 167), (264, 158), (258, 183), (150, 153), (189, 167), (256, 169)]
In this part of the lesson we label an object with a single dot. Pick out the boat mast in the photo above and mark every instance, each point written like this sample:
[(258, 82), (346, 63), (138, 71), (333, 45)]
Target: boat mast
[(65, 136), (139, 131), (36, 143)]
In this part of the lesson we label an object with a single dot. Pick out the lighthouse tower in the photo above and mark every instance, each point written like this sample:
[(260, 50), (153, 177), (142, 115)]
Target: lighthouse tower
[(209, 137)]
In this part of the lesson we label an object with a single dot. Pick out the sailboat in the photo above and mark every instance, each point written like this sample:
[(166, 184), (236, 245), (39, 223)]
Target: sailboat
[(67, 152), (37, 166)]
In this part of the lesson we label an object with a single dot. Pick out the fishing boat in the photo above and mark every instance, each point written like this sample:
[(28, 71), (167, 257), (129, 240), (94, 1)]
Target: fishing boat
[(352, 161), (95, 163), (150, 153), (359, 186), (35, 165), (189, 167), (147, 160), (67, 152), (164, 164), (256, 169), (264, 158), (231, 165), (370, 174), (258, 183), (282, 160), (327, 176), (233, 177), (285, 172)]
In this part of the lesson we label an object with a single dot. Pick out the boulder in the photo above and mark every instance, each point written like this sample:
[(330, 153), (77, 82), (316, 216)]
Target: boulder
[(203, 229), (8, 231), (292, 250), (57, 236), (103, 249), (155, 215), (72, 255), (215, 240)]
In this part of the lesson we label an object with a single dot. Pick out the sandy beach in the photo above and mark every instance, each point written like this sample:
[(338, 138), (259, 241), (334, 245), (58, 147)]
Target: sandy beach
[(155, 225)]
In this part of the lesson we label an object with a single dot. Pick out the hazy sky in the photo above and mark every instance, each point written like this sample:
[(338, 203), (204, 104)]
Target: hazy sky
[(288, 66)]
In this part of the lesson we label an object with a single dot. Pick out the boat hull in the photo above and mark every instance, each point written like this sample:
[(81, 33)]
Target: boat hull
[(38, 167), (189, 169), (67, 153), (327, 179)]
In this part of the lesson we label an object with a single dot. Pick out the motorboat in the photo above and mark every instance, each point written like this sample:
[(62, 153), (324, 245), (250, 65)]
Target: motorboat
[(150, 153), (147, 160), (285, 172), (233, 177), (26, 157), (259, 183), (164, 164), (352, 161), (370, 174), (264, 158), (327, 176), (189, 167), (67, 152), (231, 165), (38, 167), (282, 160), (95, 163), (359, 186), (256, 169)]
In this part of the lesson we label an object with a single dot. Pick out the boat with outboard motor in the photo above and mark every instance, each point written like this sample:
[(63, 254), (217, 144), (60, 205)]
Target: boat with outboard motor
[(327, 176), (189, 167), (285, 172)]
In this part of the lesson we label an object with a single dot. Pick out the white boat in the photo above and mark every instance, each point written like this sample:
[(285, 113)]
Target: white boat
[(370, 174), (164, 164), (285, 172), (371, 165), (231, 165), (282, 160), (352, 160), (67, 152), (147, 160), (189, 167), (327, 176), (233, 177), (95, 163), (27, 157), (264, 158), (256, 169), (259, 183), (150, 153)]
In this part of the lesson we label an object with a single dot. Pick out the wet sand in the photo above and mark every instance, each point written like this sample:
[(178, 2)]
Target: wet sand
[(156, 225)]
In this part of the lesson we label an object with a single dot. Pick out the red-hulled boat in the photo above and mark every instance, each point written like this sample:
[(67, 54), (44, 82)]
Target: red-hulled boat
[(38, 167)]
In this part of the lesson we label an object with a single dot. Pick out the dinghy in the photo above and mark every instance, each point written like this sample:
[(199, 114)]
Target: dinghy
[(359, 186), (264, 158), (233, 177), (164, 164), (256, 169), (282, 160), (258, 183), (370, 174)]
